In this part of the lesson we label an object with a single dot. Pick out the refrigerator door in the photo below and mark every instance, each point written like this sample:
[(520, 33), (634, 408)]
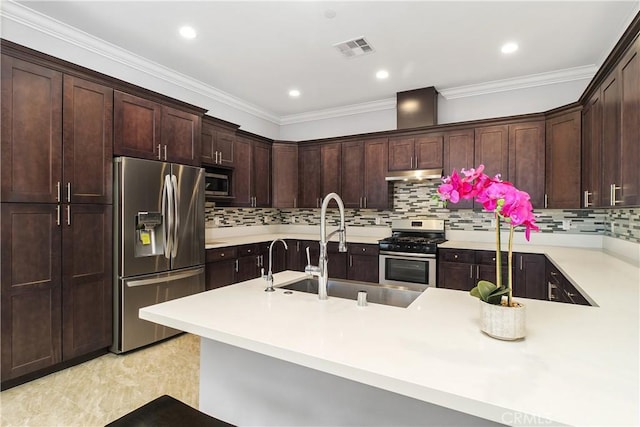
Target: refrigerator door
[(140, 230), (188, 238), (130, 331)]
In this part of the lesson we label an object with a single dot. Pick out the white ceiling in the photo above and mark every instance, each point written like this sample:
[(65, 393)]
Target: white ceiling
[(258, 50)]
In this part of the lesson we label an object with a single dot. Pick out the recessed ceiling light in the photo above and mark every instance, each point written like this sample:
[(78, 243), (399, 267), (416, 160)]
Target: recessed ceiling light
[(188, 32), (294, 93), (382, 74), (509, 47)]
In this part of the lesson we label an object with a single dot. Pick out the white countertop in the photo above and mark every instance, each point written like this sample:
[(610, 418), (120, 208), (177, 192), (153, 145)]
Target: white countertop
[(233, 236), (578, 365)]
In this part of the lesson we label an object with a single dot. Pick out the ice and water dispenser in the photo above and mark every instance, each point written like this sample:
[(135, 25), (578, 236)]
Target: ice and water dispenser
[(149, 234)]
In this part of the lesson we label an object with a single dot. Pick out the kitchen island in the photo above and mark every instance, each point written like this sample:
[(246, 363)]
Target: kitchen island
[(285, 359)]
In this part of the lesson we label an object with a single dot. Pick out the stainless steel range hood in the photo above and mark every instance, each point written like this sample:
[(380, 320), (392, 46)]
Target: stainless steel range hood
[(414, 175)]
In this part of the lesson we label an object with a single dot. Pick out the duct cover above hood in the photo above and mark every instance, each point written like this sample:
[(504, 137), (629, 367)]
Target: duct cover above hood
[(414, 175)]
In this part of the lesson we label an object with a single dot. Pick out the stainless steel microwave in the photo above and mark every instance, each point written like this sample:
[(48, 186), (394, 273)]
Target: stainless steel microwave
[(216, 184)]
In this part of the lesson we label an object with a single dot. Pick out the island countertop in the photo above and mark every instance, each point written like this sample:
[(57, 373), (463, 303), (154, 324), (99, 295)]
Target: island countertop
[(578, 365)]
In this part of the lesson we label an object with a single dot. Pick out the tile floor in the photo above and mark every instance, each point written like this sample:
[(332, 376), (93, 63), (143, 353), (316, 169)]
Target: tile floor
[(101, 390)]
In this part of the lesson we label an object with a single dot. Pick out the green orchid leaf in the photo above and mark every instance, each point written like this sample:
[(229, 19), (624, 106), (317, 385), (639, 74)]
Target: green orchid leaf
[(485, 289), (475, 293), (496, 296)]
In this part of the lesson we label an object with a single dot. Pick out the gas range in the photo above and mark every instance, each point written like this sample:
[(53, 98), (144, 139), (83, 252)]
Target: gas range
[(408, 256), (414, 236)]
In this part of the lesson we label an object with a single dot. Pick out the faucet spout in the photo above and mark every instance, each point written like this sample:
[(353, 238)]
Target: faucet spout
[(323, 260), (269, 276)]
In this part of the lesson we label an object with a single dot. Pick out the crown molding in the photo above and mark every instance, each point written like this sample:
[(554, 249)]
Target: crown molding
[(348, 110), (533, 80), (46, 25)]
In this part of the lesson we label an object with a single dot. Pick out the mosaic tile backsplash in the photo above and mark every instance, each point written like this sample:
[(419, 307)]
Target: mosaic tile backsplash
[(411, 200)]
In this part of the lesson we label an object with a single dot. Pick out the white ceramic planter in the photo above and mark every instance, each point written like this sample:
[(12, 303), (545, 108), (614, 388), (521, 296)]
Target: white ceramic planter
[(502, 322)]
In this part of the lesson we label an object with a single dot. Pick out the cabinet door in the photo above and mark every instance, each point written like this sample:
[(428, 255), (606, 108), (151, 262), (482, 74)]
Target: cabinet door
[(180, 136), (88, 141), (491, 149), (248, 268), (401, 153), (208, 152), (285, 175), (294, 256), (527, 159), (309, 176), (530, 276), (87, 303), (630, 127), (458, 154), (262, 174), (243, 173), (428, 151), (136, 127), (610, 138), (352, 174), (224, 144), (376, 188), (31, 290), (220, 273), (363, 268), (591, 151), (331, 168), (456, 275), (31, 132), (563, 161)]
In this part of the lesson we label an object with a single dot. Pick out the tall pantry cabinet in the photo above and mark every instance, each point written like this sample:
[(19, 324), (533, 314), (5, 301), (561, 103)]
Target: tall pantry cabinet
[(56, 217)]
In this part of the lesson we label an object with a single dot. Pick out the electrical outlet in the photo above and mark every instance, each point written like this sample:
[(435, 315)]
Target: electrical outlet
[(566, 224)]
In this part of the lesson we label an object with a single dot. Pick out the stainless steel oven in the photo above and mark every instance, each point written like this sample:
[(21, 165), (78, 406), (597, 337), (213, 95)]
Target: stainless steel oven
[(398, 268), (408, 256)]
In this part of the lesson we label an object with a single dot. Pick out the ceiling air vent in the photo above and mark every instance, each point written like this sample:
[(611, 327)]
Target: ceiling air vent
[(353, 48)]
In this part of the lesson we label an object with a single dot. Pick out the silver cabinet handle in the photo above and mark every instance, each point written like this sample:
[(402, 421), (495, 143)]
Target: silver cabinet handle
[(365, 202), (159, 152), (471, 272), (58, 215), (216, 160), (477, 271), (614, 188), (551, 291), (521, 262), (165, 152), (68, 214), (350, 261), (586, 198), (360, 204), (546, 201), (68, 192), (295, 200), (411, 162), (58, 191), (237, 266)]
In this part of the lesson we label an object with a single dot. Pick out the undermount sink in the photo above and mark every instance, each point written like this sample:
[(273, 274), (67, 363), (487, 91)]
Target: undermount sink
[(397, 296)]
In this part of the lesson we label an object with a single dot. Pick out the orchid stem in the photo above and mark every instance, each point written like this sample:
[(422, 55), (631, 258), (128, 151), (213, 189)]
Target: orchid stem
[(509, 264), (498, 254)]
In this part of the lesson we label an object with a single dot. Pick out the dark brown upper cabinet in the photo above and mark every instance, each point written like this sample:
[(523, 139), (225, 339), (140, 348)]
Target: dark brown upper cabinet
[(217, 142), (364, 167), (491, 149), (563, 151), (309, 181), (415, 152), (31, 132), (458, 155), (591, 152), (252, 175), (149, 130), (527, 159), (285, 175)]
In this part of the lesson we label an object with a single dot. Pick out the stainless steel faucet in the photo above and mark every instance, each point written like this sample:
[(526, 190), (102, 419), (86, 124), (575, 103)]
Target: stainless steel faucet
[(321, 270), (269, 276)]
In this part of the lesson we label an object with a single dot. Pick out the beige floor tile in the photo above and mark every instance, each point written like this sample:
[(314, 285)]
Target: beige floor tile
[(103, 389)]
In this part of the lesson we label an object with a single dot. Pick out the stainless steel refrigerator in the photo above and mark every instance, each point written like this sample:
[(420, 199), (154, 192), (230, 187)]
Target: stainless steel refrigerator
[(158, 243)]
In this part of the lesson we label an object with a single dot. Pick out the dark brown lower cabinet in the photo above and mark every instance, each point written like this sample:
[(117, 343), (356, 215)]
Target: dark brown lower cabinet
[(364, 262), (529, 276), (56, 284), (221, 267), (462, 269), (87, 285)]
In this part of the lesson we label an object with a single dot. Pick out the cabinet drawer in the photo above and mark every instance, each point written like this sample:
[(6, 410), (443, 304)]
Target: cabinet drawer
[(489, 257), (457, 255), (245, 250), (363, 249), (219, 254)]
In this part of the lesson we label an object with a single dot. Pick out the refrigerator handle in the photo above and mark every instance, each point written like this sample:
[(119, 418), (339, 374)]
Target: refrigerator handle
[(172, 277), (167, 216), (176, 216)]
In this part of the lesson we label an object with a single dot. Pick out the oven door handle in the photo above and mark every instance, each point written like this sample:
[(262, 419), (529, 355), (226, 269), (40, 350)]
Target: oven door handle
[(406, 255)]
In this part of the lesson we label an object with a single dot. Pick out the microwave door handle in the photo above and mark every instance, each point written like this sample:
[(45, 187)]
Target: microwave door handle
[(176, 216)]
